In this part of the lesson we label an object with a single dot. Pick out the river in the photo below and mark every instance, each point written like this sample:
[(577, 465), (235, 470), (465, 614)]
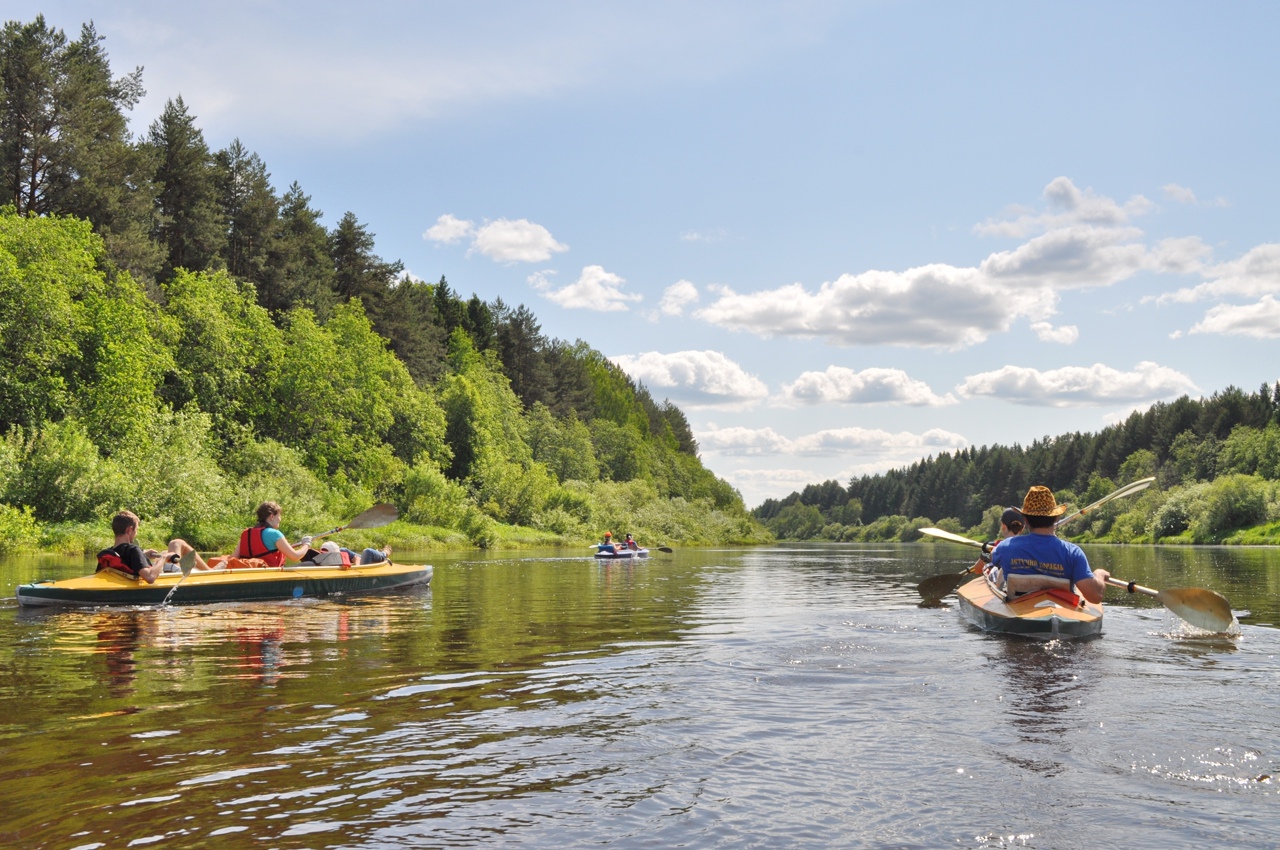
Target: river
[(783, 696)]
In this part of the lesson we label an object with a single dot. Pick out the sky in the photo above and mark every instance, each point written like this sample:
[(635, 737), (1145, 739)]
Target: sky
[(840, 236)]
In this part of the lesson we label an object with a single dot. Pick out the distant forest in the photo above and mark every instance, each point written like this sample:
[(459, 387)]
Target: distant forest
[(180, 338), (1216, 461)]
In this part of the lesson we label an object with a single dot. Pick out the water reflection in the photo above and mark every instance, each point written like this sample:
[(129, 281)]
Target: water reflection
[(1045, 682)]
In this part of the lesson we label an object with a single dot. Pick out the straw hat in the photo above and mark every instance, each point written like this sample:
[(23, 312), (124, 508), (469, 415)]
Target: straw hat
[(1040, 502)]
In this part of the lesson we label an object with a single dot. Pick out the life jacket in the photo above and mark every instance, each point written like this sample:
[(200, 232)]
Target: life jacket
[(109, 559), (251, 546)]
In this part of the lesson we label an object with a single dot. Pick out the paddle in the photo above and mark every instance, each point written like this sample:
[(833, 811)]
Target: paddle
[(1127, 490), (937, 587), (186, 563), (375, 517), (1199, 606)]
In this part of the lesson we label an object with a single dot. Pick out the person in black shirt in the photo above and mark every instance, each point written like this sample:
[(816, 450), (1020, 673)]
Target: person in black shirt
[(127, 556)]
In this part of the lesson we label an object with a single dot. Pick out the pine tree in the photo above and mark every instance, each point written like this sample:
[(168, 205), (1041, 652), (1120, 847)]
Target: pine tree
[(250, 209), (188, 222)]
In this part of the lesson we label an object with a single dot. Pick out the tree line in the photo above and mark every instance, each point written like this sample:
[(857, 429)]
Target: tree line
[(1216, 461), (179, 338)]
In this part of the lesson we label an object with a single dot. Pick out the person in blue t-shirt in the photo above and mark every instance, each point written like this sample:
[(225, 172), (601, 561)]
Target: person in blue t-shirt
[(1039, 560)]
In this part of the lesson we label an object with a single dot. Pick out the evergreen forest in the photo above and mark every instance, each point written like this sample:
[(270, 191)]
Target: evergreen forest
[(1216, 462), (179, 338)]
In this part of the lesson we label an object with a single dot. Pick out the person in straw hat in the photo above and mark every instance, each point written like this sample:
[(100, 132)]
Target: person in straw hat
[(1038, 560)]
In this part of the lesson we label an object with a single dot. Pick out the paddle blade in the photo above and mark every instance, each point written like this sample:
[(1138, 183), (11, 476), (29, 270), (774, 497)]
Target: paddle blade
[(936, 587), (947, 535), (1199, 606), (187, 562), (666, 549), (376, 517)]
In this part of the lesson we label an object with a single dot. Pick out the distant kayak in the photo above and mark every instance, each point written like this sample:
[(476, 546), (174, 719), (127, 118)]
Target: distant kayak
[(623, 555), (108, 587)]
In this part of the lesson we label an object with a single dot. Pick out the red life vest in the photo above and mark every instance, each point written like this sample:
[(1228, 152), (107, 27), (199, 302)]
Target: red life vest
[(251, 546), (109, 559)]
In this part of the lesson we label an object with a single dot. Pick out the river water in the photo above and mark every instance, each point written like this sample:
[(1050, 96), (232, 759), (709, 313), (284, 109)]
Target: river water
[(786, 696)]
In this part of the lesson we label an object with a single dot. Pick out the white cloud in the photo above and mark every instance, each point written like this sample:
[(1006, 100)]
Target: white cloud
[(519, 241), (935, 306), (1073, 386), (716, 234), (1087, 242), (448, 230), (1260, 320), (677, 296), (704, 378), (1064, 334), (1179, 194), (1255, 274), (841, 385), (1068, 207), (863, 443), (595, 289)]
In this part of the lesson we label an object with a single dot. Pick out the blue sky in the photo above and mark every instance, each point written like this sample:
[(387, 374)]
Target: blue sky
[(841, 236)]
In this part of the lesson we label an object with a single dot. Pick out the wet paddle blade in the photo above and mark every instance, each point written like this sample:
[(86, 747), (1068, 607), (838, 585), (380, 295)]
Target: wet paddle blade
[(187, 563), (666, 549), (1199, 606), (376, 517), (936, 587)]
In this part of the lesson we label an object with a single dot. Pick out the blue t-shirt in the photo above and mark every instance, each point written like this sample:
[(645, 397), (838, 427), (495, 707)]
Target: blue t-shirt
[(270, 537), (1041, 554)]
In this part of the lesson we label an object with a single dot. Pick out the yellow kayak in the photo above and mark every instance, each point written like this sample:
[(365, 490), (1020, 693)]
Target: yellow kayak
[(108, 587)]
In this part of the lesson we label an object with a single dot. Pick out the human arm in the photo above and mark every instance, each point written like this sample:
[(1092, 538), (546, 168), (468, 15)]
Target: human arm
[(1093, 587), (273, 538)]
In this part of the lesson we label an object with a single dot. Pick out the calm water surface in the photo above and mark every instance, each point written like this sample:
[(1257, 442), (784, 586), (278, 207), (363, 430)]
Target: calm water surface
[(765, 697)]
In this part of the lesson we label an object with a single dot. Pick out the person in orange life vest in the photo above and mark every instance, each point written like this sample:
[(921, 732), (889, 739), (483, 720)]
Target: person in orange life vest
[(128, 557), (607, 545), (1039, 559), (266, 541), (631, 542)]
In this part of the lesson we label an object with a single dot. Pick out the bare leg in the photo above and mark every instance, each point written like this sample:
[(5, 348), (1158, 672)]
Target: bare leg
[(182, 547)]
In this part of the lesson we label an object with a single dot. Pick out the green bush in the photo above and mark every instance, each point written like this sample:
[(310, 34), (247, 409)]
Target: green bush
[(1231, 502), (18, 529)]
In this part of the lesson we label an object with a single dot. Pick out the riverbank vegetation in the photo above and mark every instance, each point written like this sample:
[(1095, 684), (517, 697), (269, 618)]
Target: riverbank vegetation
[(1216, 462), (179, 339)]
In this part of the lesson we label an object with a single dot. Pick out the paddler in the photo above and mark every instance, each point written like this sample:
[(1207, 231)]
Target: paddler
[(1040, 559)]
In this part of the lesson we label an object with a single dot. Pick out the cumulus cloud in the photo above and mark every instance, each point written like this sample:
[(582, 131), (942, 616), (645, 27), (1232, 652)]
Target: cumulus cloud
[(1064, 334), (1067, 206), (1082, 240), (1178, 194), (841, 385), (519, 241), (1260, 320), (860, 442), (705, 378), (677, 296), (448, 230), (938, 306), (1073, 386), (1255, 274), (504, 241), (595, 289)]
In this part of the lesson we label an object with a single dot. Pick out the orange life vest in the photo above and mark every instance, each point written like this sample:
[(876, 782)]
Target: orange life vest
[(251, 546)]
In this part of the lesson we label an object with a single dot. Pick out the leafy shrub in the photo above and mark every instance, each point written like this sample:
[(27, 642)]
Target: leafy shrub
[(18, 529), (1231, 502), (430, 498)]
